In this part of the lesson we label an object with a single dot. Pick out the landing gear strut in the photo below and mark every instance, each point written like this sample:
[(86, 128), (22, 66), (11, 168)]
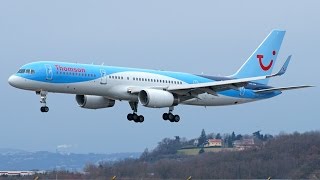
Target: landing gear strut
[(134, 116), (171, 117), (43, 100)]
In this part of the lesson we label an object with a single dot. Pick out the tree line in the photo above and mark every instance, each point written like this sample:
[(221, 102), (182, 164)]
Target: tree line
[(293, 156)]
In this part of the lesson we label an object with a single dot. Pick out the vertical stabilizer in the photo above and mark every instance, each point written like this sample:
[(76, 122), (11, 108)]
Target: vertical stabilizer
[(263, 59)]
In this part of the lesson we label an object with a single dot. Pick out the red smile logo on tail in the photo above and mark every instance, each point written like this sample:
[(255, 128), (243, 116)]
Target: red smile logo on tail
[(263, 67)]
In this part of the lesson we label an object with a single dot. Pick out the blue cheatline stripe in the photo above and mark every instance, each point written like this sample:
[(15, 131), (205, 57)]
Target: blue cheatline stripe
[(41, 73)]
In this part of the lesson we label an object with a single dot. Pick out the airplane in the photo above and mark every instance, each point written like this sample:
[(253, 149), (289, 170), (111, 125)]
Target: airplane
[(99, 86)]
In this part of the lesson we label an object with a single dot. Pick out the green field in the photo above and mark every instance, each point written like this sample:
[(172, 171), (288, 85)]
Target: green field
[(195, 151)]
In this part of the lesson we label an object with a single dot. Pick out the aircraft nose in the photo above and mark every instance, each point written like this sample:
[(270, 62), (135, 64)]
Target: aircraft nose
[(13, 80)]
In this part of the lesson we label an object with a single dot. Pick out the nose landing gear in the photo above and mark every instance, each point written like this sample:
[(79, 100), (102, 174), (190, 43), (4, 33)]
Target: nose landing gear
[(43, 101), (44, 109)]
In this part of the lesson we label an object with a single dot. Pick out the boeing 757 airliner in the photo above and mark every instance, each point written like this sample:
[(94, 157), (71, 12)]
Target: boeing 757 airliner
[(98, 86)]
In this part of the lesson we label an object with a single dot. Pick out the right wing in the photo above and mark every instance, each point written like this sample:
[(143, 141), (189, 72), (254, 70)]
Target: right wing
[(214, 87)]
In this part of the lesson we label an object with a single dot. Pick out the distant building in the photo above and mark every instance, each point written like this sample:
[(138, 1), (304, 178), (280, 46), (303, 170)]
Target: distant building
[(195, 142), (244, 144), (214, 143), (18, 173)]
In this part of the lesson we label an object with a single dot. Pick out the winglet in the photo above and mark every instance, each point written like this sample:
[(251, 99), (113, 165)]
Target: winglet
[(284, 68)]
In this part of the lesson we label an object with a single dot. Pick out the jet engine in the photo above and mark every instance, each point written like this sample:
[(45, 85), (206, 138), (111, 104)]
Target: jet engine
[(94, 102), (155, 98)]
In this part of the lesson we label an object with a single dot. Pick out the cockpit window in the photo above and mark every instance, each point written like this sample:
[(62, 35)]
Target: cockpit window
[(21, 70), (26, 71)]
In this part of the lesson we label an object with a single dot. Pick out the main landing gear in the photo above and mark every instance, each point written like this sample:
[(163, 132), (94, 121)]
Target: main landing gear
[(43, 100), (139, 118), (134, 116), (171, 117)]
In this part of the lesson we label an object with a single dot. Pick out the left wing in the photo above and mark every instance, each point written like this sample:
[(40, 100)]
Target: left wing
[(211, 87)]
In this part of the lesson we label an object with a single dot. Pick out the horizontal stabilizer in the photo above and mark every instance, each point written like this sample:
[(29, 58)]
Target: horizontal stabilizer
[(281, 89)]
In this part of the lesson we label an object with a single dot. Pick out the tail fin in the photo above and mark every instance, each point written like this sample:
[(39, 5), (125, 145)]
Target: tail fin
[(262, 60)]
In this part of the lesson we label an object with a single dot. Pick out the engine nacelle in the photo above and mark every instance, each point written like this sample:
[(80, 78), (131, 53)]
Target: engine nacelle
[(94, 102), (155, 98)]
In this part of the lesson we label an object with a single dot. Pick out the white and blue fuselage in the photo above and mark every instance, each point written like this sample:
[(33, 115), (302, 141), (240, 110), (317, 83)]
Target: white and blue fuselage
[(98, 86), (115, 82)]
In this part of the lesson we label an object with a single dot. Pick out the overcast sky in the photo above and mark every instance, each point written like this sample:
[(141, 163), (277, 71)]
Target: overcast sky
[(211, 37)]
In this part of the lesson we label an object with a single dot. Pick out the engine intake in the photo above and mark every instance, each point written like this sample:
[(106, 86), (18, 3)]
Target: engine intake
[(94, 102), (155, 98)]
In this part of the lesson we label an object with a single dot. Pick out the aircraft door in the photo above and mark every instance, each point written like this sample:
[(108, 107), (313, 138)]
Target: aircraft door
[(49, 72), (103, 76), (242, 91)]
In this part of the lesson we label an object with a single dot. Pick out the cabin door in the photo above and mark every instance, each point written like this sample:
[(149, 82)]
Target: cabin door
[(103, 76), (49, 73)]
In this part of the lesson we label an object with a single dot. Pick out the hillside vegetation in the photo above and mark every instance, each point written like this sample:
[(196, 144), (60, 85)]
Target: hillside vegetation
[(285, 156), (290, 156)]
